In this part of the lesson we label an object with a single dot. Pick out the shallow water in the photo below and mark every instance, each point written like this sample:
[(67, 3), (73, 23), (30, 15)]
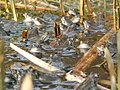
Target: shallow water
[(16, 66)]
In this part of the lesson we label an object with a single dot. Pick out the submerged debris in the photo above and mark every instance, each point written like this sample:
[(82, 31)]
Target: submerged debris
[(90, 83)]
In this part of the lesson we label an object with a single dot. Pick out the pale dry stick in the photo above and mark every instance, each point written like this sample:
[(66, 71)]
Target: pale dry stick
[(30, 7), (35, 60), (118, 44), (81, 10), (111, 68), (27, 81), (118, 61), (102, 88), (50, 5)]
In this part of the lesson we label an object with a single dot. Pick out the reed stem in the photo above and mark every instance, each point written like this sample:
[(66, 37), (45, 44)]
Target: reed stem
[(105, 7), (118, 61), (118, 14), (81, 11), (0, 12), (6, 6), (114, 15), (89, 7), (1, 65), (14, 10), (62, 7)]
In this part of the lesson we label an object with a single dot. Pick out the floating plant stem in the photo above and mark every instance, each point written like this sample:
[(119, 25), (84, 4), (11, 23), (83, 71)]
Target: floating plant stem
[(57, 30), (13, 10), (1, 65), (81, 10), (6, 6), (111, 68), (58, 27), (118, 61), (114, 15)]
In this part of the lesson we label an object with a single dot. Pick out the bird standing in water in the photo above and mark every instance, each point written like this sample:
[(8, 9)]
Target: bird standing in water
[(83, 47)]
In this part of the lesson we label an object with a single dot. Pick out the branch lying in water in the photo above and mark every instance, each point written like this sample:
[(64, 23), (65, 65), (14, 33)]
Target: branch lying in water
[(35, 60), (91, 55), (30, 7), (77, 73), (45, 65)]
